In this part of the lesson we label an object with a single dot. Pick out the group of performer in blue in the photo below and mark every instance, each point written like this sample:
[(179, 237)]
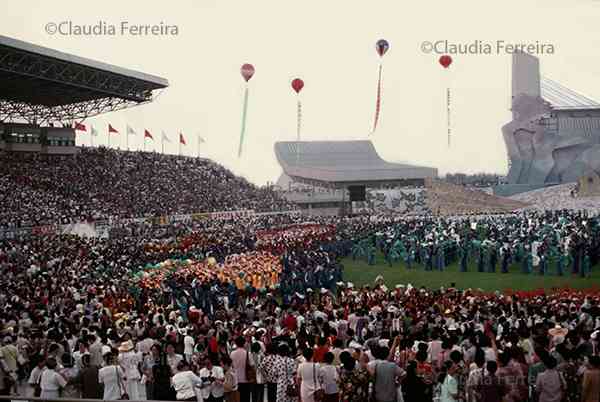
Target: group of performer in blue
[(553, 243)]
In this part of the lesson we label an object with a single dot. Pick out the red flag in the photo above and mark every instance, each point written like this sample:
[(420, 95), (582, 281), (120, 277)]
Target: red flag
[(111, 129), (148, 135), (80, 127), (181, 139)]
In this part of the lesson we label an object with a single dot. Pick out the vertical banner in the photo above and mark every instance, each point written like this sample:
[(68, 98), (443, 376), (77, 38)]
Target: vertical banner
[(382, 47), (297, 85), (445, 62), (247, 72), (448, 114)]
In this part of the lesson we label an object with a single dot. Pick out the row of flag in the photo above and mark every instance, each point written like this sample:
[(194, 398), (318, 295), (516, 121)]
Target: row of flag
[(80, 127), (131, 131)]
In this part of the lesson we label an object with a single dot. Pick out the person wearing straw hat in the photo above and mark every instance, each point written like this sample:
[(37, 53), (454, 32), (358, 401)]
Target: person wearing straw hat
[(130, 361), (558, 334)]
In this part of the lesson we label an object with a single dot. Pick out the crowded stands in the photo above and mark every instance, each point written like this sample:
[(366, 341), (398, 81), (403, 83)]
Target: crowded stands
[(256, 308), (102, 183)]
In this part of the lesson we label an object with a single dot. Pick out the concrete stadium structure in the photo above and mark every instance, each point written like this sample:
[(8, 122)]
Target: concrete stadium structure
[(45, 92), (554, 136), (328, 169)]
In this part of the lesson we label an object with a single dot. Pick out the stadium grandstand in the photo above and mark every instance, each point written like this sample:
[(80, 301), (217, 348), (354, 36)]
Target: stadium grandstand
[(46, 92), (47, 182), (345, 168)]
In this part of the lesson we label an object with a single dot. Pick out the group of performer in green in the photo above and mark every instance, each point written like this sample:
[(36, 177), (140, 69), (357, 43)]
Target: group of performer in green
[(534, 243)]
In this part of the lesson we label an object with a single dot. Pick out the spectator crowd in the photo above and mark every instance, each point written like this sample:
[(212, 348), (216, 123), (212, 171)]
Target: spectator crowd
[(102, 183), (256, 308)]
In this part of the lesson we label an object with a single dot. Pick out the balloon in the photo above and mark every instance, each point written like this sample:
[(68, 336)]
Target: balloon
[(297, 84), (382, 46), (247, 71), (211, 261), (445, 61)]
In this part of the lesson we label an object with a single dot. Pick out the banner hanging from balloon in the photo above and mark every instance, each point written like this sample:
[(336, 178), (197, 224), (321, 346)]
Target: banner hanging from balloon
[(382, 47), (445, 62), (297, 85), (247, 72)]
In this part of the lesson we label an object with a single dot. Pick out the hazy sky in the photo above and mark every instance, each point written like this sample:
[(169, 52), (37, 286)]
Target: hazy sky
[(330, 44)]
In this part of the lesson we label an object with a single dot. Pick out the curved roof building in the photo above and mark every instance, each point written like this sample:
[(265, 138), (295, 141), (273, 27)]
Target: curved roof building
[(344, 163)]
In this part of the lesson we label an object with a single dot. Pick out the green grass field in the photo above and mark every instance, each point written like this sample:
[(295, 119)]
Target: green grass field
[(360, 273)]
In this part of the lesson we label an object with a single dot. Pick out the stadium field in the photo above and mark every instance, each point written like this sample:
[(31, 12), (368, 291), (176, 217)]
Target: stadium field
[(360, 273)]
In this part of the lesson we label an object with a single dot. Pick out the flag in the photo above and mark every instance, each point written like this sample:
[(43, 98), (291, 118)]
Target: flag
[(130, 131), (181, 139), (111, 129), (94, 131), (148, 135), (201, 140), (80, 127), (165, 138)]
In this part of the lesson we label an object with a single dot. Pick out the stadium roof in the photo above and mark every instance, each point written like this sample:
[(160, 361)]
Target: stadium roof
[(561, 97), (343, 163), (41, 85)]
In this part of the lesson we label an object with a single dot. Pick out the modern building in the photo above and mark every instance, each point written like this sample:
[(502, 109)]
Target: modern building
[(328, 176)]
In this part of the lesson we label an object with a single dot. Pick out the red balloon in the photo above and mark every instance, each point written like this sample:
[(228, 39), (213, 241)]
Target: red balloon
[(247, 71), (445, 61), (297, 84)]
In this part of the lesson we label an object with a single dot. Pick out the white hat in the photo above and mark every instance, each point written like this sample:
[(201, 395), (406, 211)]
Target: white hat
[(350, 285), (126, 346), (384, 342), (354, 345)]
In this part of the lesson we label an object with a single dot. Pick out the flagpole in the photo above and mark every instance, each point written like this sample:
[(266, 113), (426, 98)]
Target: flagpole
[(179, 144), (108, 143), (127, 137), (162, 142), (91, 136), (198, 147)]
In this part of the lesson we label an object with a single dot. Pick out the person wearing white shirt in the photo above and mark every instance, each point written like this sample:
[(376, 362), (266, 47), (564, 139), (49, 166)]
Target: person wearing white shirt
[(51, 382), (111, 376), (173, 359), (130, 361), (144, 346), (36, 376), (188, 347), (78, 354), (450, 385), (185, 382), (212, 391), (309, 376), (330, 378)]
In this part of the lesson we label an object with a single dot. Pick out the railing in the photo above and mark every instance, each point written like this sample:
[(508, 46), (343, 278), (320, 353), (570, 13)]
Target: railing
[(18, 398)]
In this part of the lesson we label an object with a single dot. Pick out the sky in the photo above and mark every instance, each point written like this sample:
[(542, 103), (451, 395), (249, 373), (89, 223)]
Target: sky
[(331, 46)]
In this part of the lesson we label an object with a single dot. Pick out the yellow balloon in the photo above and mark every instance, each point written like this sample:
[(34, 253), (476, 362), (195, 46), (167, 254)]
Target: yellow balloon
[(212, 261)]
